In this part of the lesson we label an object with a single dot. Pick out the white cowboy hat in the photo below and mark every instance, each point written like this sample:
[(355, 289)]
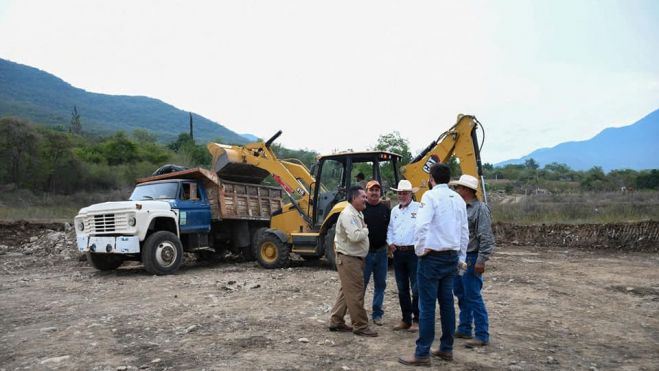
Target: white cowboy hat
[(405, 186), (466, 181)]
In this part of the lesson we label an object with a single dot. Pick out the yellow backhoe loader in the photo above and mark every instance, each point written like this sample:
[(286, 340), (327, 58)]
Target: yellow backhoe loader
[(306, 225)]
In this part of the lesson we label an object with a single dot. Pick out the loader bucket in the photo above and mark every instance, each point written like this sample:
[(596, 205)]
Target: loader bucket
[(228, 164)]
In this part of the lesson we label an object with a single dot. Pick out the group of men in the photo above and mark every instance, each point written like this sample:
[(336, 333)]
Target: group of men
[(439, 246)]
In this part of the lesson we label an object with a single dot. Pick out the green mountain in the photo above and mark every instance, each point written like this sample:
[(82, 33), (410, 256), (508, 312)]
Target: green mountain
[(29, 93)]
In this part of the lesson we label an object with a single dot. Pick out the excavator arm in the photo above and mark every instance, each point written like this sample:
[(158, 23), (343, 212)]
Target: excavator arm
[(460, 141)]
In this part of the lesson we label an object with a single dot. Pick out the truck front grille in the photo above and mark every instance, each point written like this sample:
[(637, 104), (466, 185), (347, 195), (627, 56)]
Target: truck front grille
[(106, 223)]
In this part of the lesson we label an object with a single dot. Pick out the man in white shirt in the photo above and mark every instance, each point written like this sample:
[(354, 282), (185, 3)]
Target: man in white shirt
[(442, 235), (400, 238)]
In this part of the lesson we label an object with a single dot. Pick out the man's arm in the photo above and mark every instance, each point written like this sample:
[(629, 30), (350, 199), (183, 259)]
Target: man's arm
[(464, 234), (390, 228), (423, 220), (484, 235)]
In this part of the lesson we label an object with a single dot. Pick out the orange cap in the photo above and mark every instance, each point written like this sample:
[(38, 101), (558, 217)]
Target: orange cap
[(372, 183)]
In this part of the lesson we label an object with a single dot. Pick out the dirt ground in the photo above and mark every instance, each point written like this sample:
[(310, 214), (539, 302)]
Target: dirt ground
[(550, 308)]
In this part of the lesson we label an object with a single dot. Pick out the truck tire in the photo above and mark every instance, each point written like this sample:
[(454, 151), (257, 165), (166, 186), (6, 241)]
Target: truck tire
[(271, 253), (104, 262), (162, 253), (328, 243), (249, 252)]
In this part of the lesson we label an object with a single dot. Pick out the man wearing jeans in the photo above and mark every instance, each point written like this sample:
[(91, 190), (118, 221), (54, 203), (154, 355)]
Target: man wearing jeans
[(376, 216), (468, 287), (400, 237), (441, 241)]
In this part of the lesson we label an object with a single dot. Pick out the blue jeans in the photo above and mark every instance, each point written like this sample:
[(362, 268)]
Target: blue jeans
[(376, 263), (435, 277), (472, 307), (405, 263)]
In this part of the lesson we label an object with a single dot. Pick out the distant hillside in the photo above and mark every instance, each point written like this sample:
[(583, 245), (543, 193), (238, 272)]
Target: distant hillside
[(36, 95), (629, 147), (250, 137)]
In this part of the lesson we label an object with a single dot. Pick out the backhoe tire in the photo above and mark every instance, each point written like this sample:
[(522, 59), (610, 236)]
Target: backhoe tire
[(162, 253), (328, 244), (104, 262), (271, 253)]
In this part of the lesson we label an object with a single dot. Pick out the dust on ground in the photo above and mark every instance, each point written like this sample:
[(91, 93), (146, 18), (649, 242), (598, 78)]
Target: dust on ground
[(550, 308)]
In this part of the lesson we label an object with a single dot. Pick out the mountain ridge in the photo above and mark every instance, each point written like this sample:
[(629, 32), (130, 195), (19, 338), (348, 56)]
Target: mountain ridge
[(628, 147), (44, 98)]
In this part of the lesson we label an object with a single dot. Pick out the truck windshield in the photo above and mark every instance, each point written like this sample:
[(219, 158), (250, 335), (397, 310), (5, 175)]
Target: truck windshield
[(157, 191)]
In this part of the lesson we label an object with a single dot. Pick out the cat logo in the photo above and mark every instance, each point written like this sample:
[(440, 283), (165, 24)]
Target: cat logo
[(431, 161)]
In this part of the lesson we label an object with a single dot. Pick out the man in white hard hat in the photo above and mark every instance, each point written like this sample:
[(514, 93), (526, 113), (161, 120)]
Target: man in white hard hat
[(468, 286), (400, 238)]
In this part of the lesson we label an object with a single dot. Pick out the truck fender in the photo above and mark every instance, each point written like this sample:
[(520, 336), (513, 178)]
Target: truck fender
[(159, 221), (283, 237)]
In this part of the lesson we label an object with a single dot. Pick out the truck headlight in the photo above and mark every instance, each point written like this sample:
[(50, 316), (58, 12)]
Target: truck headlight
[(132, 221), (81, 225)]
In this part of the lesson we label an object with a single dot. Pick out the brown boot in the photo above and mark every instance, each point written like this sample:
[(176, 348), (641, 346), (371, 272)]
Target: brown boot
[(414, 327), (475, 342), (402, 326), (365, 332), (414, 361), (447, 356), (341, 327)]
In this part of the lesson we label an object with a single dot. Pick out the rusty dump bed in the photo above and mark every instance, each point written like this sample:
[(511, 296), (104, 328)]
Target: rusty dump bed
[(228, 199)]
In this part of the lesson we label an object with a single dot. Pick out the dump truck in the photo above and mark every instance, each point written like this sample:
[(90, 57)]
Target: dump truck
[(192, 210)]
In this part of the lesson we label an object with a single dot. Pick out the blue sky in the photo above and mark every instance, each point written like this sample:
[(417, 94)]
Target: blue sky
[(335, 75)]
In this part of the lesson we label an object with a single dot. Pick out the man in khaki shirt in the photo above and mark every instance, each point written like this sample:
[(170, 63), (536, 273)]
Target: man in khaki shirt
[(351, 246)]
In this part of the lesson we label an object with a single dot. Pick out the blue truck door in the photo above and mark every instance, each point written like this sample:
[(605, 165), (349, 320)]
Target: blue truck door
[(195, 211)]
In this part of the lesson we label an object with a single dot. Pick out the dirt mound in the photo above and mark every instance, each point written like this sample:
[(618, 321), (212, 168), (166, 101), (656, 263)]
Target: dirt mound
[(42, 240), (643, 236)]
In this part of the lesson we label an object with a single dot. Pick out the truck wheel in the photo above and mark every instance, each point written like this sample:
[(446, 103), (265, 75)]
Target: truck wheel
[(162, 253), (104, 262), (249, 252), (328, 243), (271, 253)]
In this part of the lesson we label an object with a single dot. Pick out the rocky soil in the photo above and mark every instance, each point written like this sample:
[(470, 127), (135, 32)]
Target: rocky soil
[(557, 306)]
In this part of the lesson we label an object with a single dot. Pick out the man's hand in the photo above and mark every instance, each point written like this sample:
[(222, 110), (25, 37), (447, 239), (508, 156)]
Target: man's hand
[(425, 252), (479, 268)]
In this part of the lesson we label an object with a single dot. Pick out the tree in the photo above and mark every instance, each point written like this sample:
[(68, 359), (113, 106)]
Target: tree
[(648, 180), (18, 150), (191, 127), (393, 142), (594, 180), (144, 136), (119, 150), (76, 127)]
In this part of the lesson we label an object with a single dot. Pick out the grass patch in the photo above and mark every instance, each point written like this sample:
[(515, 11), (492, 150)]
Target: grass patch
[(601, 207)]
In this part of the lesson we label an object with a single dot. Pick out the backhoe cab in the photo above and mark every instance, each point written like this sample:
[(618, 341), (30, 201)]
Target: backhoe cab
[(305, 225)]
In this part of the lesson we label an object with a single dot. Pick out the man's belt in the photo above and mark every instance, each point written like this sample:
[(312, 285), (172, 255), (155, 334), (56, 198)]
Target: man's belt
[(405, 248), (442, 253), (351, 256)]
